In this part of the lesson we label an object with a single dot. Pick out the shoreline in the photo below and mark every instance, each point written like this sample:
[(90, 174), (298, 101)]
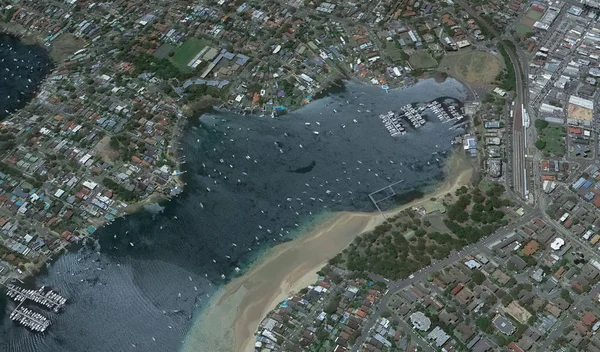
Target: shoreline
[(288, 267), (30, 38), (285, 269)]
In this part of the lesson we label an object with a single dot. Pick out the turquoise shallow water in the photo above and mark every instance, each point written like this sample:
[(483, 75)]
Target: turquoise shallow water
[(252, 182)]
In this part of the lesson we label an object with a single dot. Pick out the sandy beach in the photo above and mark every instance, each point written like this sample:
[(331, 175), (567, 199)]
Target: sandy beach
[(229, 323)]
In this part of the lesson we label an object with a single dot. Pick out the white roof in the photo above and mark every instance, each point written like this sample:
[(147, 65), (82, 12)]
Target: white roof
[(89, 184), (557, 243), (588, 104), (472, 264)]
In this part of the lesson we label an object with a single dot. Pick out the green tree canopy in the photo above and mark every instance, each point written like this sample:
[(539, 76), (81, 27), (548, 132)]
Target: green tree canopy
[(540, 144)]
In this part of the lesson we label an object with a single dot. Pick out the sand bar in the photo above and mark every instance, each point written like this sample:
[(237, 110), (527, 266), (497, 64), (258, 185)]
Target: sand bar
[(229, 324)]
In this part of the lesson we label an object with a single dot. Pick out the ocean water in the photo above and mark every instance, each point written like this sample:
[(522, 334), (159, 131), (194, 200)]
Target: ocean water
[(252, 182), (22, 68)]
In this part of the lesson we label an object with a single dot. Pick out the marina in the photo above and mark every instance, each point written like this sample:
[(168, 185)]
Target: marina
[(30, 319), (414, 116), (392, 124), (49, 299), (123, 303)]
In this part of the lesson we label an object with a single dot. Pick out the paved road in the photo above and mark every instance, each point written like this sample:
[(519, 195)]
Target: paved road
[(398, 285), (415, 338), (518, 161), (577, 309)]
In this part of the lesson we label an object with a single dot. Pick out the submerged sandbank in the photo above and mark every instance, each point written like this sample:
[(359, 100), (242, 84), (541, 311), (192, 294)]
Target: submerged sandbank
[(229, 323)]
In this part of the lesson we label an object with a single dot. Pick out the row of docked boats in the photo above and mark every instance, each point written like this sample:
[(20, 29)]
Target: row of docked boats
[(49, 299), (30, 319), (392, 124), (393, 121), (413, 116), (438, 111), (451, 113)]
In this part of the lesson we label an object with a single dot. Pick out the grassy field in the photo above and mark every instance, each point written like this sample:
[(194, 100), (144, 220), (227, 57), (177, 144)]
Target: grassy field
[(187, 51), (522, 29), (536, 15), (472, 66), (554, 136), (394, 52), (422, 60), (64, 46)]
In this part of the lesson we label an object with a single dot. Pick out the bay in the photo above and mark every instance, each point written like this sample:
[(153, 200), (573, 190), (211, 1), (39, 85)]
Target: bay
[(249, 180), (22, 69)]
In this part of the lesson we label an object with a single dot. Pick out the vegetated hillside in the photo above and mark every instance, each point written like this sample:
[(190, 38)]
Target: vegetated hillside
[(410, 240)]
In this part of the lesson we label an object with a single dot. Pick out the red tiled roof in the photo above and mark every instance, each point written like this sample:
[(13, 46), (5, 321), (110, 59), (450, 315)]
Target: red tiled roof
[(514, 347), (530, 248), (588, 319), (457, 289)]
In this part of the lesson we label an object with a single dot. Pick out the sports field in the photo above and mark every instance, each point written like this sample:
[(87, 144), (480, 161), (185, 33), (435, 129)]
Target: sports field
[(187, 51), (422, 60), (533, 14), (526, 25), (522, 29), (394, 52)]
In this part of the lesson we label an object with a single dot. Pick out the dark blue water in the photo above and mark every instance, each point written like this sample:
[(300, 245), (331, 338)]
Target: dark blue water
[(22, 68), (249, 186)]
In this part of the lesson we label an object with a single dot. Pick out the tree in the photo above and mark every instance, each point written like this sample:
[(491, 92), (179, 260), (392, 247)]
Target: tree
[(491, 300), (332, 306), (484, 324), (540, 144), (566, 295), (540, 124), (477, 277)]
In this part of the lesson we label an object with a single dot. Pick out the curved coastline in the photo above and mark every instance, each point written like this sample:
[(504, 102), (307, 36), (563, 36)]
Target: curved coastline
[(17, 84), (235, 313), (269, 280)]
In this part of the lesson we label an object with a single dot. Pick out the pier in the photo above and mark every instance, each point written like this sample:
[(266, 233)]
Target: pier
[(414, 116), (392, 124), (30, 319), (388, 192), (50, 299)]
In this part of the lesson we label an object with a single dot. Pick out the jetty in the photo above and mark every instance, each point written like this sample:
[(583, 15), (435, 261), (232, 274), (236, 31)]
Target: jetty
[(48, 299), (392, 124), (30, 319), (414, 116)]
